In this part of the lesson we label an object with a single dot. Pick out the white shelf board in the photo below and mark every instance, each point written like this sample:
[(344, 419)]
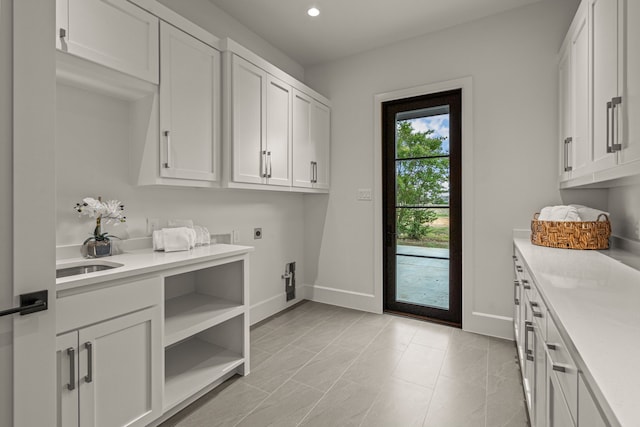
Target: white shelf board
[(192, 313), (192, 365)]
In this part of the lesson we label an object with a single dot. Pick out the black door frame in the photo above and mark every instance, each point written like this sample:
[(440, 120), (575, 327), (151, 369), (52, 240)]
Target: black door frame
[(390, 109)]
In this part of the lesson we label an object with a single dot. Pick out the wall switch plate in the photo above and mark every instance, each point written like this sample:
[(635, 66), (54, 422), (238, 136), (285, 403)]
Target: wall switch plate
[(365, 194), (257, 233)]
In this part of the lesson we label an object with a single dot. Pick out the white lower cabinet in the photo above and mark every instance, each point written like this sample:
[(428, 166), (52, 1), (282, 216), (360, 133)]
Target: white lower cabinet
[(108, 373), (555, 391)]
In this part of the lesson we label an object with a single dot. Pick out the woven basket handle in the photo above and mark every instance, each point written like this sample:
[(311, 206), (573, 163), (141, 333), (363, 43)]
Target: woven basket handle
[(536, 215), (606, 218)]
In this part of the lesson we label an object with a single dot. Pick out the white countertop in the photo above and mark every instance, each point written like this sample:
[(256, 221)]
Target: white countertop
[(596, 300), (143, 261)]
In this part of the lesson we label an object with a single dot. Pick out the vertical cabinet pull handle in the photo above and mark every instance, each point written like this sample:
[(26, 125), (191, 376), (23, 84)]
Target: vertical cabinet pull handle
[(528, 327), (167, 164), (615, 136), (71, 352), (608, 138), (89, 377), (567, 143), (62, 33), (311, 172), (269, 160), (516, 301), (263, 163)]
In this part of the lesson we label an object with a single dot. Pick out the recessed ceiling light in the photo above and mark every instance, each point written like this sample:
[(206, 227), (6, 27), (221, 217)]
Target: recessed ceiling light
[(313, 11)]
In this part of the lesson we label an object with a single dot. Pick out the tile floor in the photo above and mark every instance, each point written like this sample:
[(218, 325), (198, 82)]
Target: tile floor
[(320, 365)]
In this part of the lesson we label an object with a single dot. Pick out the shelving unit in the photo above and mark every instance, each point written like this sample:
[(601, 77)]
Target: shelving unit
[(206, 328)]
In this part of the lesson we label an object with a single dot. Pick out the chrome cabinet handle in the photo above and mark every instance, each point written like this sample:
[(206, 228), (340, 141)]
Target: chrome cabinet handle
[(551, 346), (71, 352), (525, 284), (567, 167), (167, 135), (516, 301), (89, 377), (559, 368), (263, 164), (528, 327), (615, 146), (519, 269), (534, 305), (311, 172), (269, 162)]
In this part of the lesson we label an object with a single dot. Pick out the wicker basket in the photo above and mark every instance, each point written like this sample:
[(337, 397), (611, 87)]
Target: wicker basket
[(571, 235)]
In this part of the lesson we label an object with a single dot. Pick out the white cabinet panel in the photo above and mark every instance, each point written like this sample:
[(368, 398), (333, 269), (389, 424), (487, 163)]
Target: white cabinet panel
[(114, 33), (558, 411), (311, 142), (604, 66), (116, 372), (189, 107), (278, 118), (629, 74), (248, 126), (588, 413), (302, 146), (580, 143)]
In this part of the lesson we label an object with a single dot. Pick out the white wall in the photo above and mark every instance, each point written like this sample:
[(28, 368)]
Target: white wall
[(92, 156), (512, 59), (624, 206), (6, 214), (221, 24)]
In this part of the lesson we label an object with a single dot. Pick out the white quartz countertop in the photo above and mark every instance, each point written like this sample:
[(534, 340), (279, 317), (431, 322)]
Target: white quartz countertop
[(596, 300), (143, 261)]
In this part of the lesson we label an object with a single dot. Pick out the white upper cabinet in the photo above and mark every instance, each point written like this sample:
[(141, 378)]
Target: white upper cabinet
[(260, 122), (113, 33), (311, 142), (629, 76), (189, 107), (278, 136), (604, 65), (600, 140)]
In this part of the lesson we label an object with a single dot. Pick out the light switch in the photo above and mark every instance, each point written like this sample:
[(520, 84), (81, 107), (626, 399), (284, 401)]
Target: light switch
[(364, 194)]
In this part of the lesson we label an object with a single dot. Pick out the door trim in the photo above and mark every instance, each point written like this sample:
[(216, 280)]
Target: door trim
[(468, 204), (34, 193)]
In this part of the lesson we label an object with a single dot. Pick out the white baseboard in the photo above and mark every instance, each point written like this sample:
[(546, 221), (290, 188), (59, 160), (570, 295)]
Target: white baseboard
[(342, 298), (274, 305), (489, 324)]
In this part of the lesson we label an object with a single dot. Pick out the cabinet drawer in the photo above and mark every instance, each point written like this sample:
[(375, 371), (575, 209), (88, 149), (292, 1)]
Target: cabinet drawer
[(122, 297), (562, 367)]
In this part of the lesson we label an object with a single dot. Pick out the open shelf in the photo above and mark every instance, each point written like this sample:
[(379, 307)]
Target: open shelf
[(189, 314), (192, 365)]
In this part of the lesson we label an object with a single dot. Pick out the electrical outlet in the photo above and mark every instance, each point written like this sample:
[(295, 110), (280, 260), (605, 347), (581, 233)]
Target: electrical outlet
[(153, 224), (257, 233), (365, 194)]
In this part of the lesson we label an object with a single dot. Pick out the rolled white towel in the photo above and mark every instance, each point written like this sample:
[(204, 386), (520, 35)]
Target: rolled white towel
[(559, 213), (589, 214)]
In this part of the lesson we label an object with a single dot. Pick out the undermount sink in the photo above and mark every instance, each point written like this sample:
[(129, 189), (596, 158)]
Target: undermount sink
[(84, 268)]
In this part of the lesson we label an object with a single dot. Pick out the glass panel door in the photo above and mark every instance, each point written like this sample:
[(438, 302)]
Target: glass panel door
[(421, 156)]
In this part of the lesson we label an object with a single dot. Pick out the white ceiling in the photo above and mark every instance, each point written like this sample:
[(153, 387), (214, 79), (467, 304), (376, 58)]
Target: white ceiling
[(346, 27)]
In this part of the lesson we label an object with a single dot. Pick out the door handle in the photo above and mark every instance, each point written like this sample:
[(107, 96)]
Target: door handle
[(29, 303)]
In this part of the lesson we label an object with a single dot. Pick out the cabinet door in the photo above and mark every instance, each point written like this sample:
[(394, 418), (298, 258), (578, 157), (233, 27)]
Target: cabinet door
[(564, 106), (248, 126), (321, 136), (604, 65), (540, 388), (629, 74), (67, 380), (189, 107), (588, 413), (114, 33), (558, 412), (121, 372), (278, 120), (302, 143), (579, 146)]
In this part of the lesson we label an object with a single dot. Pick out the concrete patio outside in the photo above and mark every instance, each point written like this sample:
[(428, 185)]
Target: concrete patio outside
[(422, 281)]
